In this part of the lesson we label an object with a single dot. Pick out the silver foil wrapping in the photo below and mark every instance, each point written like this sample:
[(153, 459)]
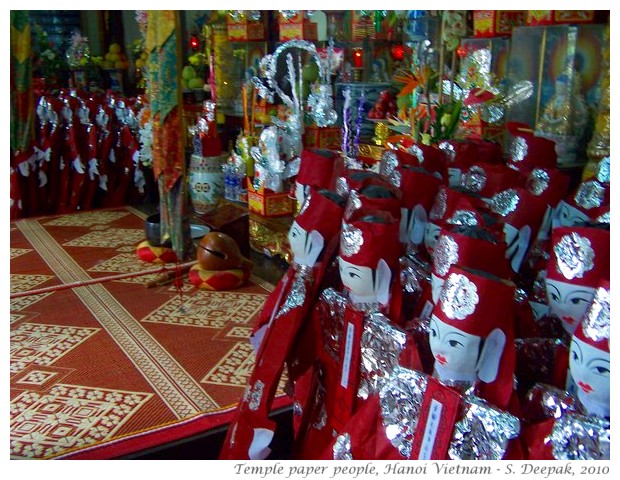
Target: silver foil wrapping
[(538, 181), (417, 151), (463, 217), (439, 207), (459, 297), (448, 150), (482, 433), (506, 202), (574, 255), (445, 255), (342, 447), (321, 105), (297, 293), (605, 218), (603, 174), (578, 437), (253, 395), (400, 400), (342, 187), (517, 149), (351, 240), (596, 324), (381, 346), (388, 166), (331, 306), (554, 403), (353, 203), (262, 89), (474, 180), (413, 274), (306, 202), (590, 194), (267, 160)]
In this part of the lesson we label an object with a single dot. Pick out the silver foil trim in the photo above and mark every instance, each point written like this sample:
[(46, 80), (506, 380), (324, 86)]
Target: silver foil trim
[(459, 297), (288, 14), (483, 432), (445, 255), (578, 437), (255, 395), (603, 173), (304, 205), (297, 294), (320, 104), (538, 291), (331, 306), (596, 323), (474, 180), (322, 420), (353, 203), (574, 255), (521, 295), (605, 218), (342, 187), (413, 274), (538, 181), (381, 345), (517, 149), (463, 217), (439, 207), (506, 202), (342, 447), (417, 151), (449, 151), (389, 162), (400, 400), (591, 194), (351, 240), (553, 401), (254, 15)]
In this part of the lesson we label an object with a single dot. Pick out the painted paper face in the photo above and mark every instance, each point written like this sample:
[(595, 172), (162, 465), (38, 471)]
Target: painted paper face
[(568, 302), (412, 225), (436, 284), (298, 239), (518, 242), (301, 191), (454, 177), (589, 367), (454, 350), (357, 279), (431, 234), (568, 216)]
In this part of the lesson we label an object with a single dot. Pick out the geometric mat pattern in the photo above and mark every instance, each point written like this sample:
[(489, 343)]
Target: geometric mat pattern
[(110, 368)]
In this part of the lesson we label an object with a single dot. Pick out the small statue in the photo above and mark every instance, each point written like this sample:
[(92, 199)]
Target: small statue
[(378, 72), (565, 113)]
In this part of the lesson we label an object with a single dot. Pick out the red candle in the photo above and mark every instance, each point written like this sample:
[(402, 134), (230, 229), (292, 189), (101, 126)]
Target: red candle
[(358, 58)]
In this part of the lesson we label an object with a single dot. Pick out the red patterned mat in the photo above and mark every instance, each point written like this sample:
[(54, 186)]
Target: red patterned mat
[(112, 368)]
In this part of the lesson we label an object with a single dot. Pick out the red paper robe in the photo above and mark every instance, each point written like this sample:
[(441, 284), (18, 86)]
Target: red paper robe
[(119, 184), (91, 182), (291, 301), (15, 193)]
